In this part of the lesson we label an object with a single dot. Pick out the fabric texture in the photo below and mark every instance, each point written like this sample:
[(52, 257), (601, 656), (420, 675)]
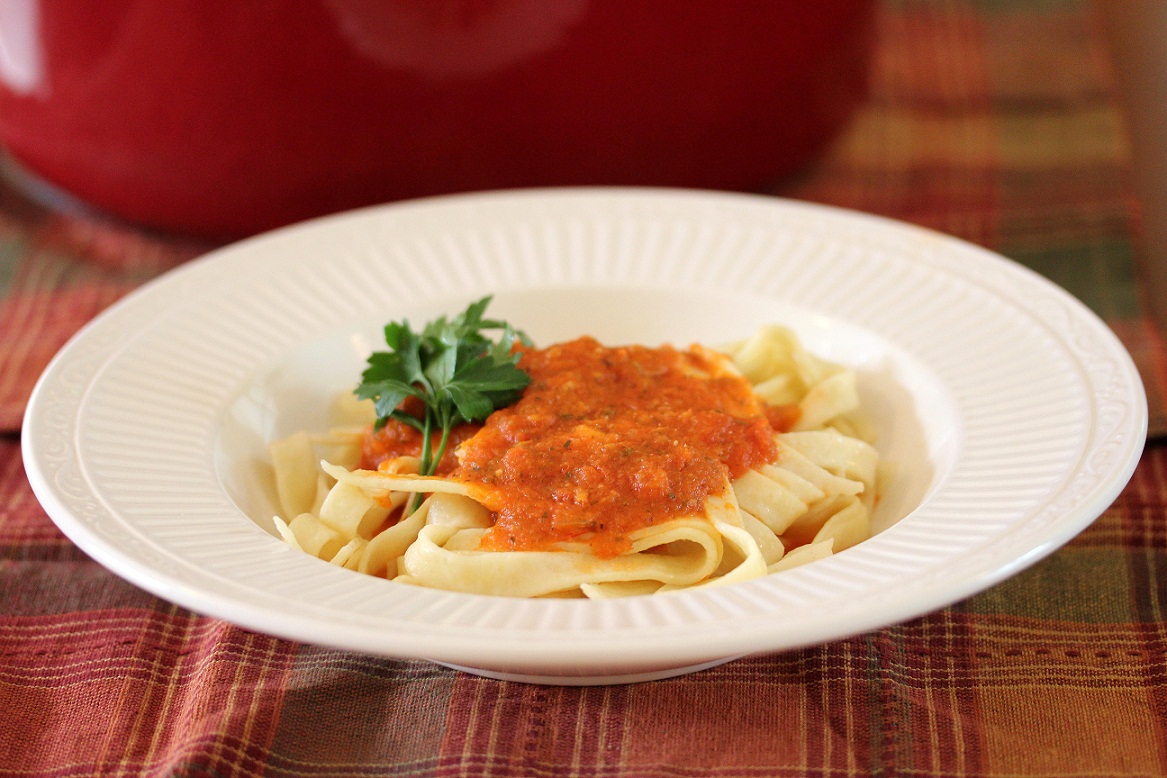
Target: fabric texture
[(995, 121)]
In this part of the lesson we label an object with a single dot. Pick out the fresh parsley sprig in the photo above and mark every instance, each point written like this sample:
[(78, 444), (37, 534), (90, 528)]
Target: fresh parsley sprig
[(456, 371)]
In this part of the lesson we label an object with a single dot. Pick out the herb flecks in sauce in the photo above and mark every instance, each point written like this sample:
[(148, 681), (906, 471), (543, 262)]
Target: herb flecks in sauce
[(606, 441)]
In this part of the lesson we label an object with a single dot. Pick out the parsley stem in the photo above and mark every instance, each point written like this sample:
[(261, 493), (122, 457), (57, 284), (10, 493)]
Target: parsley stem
[(447, 424), (427, 464)]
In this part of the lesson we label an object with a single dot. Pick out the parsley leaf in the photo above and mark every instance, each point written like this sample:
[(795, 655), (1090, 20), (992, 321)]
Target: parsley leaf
[(456, 371)]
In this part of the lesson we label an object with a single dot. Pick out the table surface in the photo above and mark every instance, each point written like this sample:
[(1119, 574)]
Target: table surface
[(997, 122)]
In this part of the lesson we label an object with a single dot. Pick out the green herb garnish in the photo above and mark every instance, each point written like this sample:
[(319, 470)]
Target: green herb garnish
[(458, 374)]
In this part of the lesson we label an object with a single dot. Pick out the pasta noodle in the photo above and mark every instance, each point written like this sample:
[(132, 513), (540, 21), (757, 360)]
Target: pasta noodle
[(810, 496)]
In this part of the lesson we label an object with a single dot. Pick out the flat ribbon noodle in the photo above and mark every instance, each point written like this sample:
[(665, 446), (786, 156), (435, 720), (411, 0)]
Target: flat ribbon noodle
[(680, 552)]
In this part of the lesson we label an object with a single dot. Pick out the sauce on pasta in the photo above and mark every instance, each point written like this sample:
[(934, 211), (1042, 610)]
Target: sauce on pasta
[(606, 441), (595, 460)]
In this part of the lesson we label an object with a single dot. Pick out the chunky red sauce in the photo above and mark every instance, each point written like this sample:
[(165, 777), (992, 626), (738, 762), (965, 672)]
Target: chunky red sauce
[(607, 441)]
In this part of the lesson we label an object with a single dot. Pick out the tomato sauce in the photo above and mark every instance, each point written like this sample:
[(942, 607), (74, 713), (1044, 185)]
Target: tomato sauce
[(607, 441)]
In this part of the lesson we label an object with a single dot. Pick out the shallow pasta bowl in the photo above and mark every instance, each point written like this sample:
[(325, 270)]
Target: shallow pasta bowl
[(1009, 415)]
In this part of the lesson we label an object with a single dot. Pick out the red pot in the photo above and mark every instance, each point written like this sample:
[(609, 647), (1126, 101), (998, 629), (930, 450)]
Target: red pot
[(226, 118)]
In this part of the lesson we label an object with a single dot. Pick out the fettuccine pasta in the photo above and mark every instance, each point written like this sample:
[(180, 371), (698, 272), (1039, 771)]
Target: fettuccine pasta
[(620, 471)]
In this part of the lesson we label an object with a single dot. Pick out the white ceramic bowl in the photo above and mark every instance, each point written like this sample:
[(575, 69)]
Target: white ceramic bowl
[(1010, 414)]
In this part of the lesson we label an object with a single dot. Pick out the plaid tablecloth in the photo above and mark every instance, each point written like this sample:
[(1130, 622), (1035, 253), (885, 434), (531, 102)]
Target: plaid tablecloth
[(994, 121)]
